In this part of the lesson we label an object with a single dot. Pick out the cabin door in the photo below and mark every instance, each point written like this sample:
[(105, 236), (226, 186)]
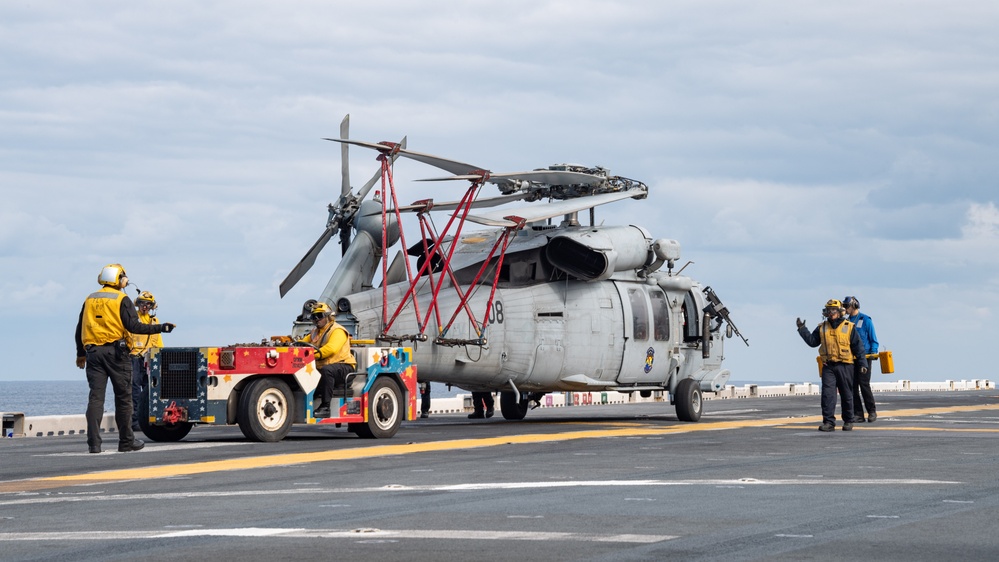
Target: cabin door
[(646, 334)]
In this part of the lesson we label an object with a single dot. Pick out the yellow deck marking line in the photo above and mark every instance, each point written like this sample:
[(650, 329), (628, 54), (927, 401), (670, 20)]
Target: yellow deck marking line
[(164, 471), (866, 427), (602, 424), (942, 430)]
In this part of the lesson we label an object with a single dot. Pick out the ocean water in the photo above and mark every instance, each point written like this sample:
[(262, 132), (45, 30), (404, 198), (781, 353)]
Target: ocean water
[(48, 398)]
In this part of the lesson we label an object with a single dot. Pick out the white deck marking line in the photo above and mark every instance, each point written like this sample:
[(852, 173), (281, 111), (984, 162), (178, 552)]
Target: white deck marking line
[(367, 534), (150, 448), (481, 486)]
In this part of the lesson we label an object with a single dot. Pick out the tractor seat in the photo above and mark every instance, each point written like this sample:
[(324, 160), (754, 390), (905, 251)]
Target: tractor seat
[(354, 384)]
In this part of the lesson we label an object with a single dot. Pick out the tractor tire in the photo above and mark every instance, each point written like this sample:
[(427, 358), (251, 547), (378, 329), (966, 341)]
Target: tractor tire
[(166, 433), (385, 411), (265, 410)]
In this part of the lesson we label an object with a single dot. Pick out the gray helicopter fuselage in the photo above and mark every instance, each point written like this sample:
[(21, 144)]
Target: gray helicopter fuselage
[(624, 329)]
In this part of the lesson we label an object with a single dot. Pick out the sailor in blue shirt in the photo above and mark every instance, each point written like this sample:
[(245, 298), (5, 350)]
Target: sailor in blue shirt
[(862, 395)]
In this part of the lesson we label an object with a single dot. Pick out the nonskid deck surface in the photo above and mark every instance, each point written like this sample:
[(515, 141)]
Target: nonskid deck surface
[(753, 479)]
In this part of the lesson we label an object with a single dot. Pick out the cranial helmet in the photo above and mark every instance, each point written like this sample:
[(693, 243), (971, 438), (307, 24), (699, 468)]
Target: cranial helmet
[(147, 298), (321, 310), (832, 305), (851, 301), (111, 275)]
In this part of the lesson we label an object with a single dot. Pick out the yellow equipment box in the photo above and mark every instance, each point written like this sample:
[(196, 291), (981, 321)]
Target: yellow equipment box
[(885, 359), (887, 362)]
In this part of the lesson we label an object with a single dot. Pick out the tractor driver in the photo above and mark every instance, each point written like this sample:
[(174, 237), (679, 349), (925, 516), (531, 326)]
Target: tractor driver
[(840, 348), (333, 356)]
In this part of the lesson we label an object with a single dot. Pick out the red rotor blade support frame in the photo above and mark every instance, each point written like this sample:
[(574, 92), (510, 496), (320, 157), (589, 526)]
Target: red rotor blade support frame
[(437, 249)]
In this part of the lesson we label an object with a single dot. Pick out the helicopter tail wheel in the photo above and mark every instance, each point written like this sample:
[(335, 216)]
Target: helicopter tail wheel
[(688, 400), (385, 411), (511, 408), (265, 410)]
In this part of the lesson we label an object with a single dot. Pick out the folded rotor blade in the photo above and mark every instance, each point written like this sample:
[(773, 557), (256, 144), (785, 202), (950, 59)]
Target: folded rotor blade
[(344, 161), (460, 169), (380, 147), (446, 164), (469, 177), (537, 213), (551, 177), (452, 205), (547, 177), (486, 221), (308, 260)]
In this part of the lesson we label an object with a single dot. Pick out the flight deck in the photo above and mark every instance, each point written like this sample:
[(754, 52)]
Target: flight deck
[(752, 480)]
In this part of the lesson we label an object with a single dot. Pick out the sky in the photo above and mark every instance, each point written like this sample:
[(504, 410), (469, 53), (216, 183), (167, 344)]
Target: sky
[(799, 151)]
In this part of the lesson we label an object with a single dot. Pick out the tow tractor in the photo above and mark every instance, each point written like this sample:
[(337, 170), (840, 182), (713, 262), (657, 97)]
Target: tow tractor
[(267, 387)]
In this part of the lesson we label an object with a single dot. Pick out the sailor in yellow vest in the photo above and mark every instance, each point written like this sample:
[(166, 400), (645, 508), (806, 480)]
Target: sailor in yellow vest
[(145, 307), (333, 356), (106, 323), (841, 349)]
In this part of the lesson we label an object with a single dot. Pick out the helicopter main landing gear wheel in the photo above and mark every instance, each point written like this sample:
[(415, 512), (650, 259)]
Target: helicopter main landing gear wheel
[(511, 408), (688, 400)]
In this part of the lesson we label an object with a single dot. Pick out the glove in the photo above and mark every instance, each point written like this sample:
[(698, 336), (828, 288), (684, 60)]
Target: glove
[(800, 322), (81, 362), (168, 327), (863, 370)]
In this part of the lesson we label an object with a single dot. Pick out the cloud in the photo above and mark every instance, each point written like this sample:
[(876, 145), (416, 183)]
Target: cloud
[(27, 296), (982, 223), (796, 152)]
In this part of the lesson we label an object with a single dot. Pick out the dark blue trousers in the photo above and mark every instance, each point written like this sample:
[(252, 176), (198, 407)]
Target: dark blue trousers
[(863, 396), (837, 377), (138, 384), (104, 365)]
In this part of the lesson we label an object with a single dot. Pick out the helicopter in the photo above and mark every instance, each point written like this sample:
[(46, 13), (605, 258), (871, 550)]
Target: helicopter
[(533, 303)]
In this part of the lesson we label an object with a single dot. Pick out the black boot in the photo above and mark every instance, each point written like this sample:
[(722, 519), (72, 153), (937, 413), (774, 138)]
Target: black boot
[(135, 445)]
